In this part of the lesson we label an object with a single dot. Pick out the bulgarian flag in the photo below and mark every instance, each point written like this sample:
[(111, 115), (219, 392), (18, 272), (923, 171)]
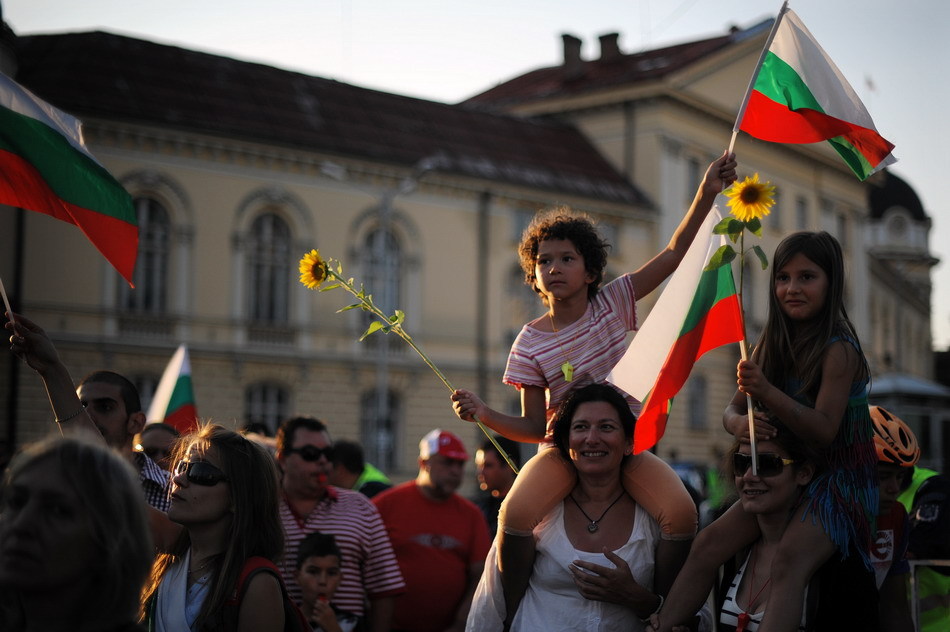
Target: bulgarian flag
[(45, 167), (698, 311), (174, 400), (798, 95)]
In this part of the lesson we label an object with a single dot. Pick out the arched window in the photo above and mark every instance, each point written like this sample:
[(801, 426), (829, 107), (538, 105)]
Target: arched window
[(151, 266), (265, 404), (382, 268), (698, 415), (270, 270), (380, 430)]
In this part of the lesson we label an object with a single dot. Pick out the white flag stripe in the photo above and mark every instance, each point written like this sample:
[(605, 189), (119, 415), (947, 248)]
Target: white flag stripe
[(637, 371), (178, 365)]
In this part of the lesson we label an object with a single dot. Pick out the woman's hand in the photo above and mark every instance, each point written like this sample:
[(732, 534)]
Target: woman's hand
[(468, 405), (613, 585), (736, 421)]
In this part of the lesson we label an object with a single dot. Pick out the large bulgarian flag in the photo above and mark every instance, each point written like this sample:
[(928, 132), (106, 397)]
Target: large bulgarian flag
[(697, 311), (798, 95), (45, 167), (174, 399)]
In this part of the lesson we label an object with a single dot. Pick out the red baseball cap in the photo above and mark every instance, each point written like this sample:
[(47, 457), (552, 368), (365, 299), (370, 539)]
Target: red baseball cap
[(442, 442)]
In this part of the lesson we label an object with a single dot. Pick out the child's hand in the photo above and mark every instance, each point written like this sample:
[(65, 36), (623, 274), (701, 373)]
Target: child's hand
[(467, 405), (720, 174), (751, 380), (322, 614)]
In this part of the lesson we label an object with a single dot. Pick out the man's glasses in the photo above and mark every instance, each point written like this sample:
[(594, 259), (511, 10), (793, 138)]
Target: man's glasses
[(769, 464), (200, 473), (312, 452)]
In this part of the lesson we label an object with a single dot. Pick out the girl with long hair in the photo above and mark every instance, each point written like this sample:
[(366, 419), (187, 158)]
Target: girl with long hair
[(809, 372), (224, 494)]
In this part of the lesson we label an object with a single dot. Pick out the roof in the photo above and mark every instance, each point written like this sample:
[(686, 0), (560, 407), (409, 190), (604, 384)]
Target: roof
[(620, 69), (119, 78), (886, 190)]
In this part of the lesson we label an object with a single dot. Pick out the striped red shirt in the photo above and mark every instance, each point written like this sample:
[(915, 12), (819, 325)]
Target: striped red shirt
[(593, 344), (368, 568)]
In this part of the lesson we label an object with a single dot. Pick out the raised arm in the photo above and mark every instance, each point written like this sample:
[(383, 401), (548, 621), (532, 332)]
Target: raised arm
[(720, 174), (30, 343)]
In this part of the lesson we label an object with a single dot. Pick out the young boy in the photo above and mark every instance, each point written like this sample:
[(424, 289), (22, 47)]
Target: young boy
[(318, 574)]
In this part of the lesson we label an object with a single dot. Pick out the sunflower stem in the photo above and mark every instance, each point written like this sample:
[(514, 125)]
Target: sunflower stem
[(402, 333)]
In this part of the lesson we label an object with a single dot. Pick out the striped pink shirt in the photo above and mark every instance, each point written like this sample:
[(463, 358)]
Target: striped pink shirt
[(593, 344), (368, 568)]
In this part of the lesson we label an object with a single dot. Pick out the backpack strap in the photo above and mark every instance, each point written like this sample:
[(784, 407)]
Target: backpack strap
[(294, 621)]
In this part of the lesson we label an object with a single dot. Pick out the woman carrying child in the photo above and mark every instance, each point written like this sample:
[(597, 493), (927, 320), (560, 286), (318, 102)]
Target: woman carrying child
[(809, 372), (576, 342)]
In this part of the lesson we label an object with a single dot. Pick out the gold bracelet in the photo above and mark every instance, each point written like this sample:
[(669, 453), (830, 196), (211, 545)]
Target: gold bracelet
[(82, 407)]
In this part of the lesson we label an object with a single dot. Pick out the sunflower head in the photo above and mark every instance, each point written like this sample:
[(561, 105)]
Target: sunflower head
[(751, 199), (313, 270)]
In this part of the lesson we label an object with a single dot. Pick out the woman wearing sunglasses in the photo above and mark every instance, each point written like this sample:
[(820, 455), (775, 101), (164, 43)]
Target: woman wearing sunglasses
[(841, 596), (224, 494)]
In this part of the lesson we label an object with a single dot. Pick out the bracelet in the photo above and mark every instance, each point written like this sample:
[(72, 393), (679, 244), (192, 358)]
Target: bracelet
[(655, 612), (82, 407)]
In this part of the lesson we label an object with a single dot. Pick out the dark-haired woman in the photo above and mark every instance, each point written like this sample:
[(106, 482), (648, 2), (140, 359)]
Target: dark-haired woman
[(595, 563)]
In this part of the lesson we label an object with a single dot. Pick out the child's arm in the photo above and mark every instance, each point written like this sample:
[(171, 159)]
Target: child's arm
[(818, 426), (528, 428), (720, 174)]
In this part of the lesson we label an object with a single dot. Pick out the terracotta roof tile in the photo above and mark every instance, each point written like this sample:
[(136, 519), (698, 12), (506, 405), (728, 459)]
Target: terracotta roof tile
[(120, 78)]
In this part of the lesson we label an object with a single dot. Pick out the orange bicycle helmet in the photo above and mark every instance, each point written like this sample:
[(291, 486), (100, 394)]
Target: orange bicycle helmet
[(893, 439)]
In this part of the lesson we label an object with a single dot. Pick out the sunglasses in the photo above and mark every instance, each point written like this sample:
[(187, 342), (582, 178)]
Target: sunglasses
[(769, 464), (312, 452), (200, 473)]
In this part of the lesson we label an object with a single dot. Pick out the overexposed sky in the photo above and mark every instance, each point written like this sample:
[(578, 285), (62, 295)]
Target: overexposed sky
[(895, 54)]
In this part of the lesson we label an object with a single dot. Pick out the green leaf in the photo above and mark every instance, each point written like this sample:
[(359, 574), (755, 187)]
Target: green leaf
[(349, 307), (724, 255), (729, 226), (332, 286), (754, 226), (722, 227), (373, 327), (397, 317), (761, 255)]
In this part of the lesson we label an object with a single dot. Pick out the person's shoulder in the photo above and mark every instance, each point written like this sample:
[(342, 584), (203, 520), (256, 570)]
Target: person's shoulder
[(396, 493)]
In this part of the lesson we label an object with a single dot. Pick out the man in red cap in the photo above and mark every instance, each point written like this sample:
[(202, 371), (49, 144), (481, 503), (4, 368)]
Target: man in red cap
[(440, 538)]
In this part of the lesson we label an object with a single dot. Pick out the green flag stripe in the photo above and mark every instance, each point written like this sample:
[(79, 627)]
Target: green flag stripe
[(714, 285), (73, 176), (781, 83), (182, 394)]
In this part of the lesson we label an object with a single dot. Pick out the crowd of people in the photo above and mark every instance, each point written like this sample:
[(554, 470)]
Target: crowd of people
[(119, 525)]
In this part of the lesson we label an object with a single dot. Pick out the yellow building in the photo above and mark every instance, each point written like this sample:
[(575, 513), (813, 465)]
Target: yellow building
[(237, 169)]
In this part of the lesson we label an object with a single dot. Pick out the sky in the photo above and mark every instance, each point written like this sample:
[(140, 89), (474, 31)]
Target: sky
[(895, 54)]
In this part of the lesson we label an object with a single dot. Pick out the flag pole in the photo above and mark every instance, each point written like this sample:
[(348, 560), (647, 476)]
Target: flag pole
[(6, 302), (743, 345)]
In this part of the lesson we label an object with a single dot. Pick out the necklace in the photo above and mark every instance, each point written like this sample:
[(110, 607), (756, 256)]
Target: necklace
[(200, 567), (593, 526), (744, 617), (567, 368)]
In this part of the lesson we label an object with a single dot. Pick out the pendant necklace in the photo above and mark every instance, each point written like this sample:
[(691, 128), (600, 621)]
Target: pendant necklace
[(744, 617), (592, 527), (567, 368)]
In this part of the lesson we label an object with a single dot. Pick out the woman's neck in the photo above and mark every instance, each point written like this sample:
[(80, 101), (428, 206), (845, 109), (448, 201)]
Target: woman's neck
[(594, 489), (206, 542), (772, 525)]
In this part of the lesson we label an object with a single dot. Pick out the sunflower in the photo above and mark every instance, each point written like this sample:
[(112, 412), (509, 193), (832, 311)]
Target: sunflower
[(313, 270), (751, 199)]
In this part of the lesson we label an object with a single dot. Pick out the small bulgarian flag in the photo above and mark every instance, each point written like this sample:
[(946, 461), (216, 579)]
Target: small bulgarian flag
[(174, 400), (798, 95), (697, 312), (45, 167)]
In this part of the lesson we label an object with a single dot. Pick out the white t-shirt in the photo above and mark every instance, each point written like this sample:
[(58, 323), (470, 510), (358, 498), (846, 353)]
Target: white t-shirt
[(552, 601)]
